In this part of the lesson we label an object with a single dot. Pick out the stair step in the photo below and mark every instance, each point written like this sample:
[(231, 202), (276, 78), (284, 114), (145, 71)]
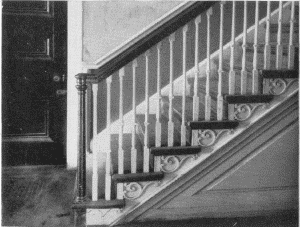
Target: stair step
[(160, 151), (271, 74), (100, 204), (213, 124), (285, 28), (135, 177), (248, 98)]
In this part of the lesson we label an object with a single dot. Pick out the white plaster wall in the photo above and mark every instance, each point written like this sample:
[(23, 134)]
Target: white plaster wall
[(107, 24)]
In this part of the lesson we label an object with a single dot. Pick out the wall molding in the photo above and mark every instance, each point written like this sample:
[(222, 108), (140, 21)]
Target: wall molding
[(74, 67)]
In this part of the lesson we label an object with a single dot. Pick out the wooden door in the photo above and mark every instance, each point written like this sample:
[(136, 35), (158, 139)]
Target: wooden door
[(34, 51)]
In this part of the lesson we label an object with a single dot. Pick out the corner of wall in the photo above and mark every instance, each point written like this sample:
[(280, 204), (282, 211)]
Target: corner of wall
[(74, 67)]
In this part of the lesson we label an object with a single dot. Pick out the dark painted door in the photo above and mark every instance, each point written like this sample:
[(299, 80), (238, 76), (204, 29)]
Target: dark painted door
[(34, 82)]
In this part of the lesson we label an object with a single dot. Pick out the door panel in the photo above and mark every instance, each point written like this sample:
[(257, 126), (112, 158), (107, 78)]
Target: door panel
[(33, 69)]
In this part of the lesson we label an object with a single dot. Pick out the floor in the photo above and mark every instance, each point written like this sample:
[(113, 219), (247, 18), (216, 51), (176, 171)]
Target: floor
[(283, 220), (37, 196), (42, 196)]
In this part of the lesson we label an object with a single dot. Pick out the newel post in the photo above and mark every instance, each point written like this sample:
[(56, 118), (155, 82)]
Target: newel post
[(81, 165)]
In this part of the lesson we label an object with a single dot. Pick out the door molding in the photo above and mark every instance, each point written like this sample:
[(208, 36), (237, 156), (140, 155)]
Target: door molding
[(75, 11)]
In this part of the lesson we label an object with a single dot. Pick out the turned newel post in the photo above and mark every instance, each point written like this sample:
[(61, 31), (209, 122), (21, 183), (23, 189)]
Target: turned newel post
[(81, 169)]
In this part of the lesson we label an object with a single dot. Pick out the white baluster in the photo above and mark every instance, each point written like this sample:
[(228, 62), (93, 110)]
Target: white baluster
[(244, 46), (158, 111), (183, 122), (279, 49), (95, 151), (207, 95), (171, 123), (255, 56), (231, 71), (146, 136), (220, 72), (195, 96), (121, 126), (291, 56), (267, 51), (108, 166), (133, 137)]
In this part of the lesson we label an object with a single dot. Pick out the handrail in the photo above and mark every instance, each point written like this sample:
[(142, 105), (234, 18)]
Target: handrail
[(150, 36)]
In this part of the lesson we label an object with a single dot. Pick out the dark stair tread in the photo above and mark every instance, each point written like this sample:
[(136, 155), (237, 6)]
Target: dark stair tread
[(275, 73), (159, 151), (248, 98), (134, 177), (100, 204), (213, 124), (285, 27)]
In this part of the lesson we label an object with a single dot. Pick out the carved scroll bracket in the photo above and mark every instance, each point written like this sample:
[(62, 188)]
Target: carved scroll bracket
[(243, 112)]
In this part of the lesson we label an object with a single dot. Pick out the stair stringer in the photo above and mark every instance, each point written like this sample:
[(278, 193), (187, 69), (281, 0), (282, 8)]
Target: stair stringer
[(195, 167)]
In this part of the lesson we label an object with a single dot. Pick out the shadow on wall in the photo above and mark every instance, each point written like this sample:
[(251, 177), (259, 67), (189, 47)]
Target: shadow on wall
[(165, 56)]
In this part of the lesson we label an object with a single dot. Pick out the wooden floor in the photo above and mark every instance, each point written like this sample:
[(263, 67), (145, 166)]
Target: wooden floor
[(283, 220), (37, 196)]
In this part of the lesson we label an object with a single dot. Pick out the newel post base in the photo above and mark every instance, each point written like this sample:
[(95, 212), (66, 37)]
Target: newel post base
[(81, 165)]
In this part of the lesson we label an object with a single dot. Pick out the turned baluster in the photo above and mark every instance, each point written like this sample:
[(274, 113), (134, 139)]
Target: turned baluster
[(108, 164), (133, 137), (170, 122), (146, 135), (255, 55), (207, 95), (244, 47), (196, 99), (121, 126), (158, 111), (220, 101), (183, 122), (279, 49)]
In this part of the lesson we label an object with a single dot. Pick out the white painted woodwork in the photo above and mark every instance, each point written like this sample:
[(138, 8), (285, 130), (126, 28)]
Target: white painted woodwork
[(146, 158), (171, 96), (220, 101), (95, 151), (244, 46), (267, 51), (121, 126), (171, 92), (207, 95), (183, 122), (255, 54), (158, 111), (196, 99), (75, 52), (108, 163), (231, 80), (279, 49), (291, 53), (133, 135), (158, 108)]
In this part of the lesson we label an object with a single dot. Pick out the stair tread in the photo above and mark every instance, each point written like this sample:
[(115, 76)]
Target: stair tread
[(184, 150), (275, 73), (99, 204), (248, 98), (134, 177), (213, 124)]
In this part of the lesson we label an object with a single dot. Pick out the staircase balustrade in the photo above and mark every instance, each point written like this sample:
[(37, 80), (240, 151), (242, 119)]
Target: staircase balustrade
[(205, 105)]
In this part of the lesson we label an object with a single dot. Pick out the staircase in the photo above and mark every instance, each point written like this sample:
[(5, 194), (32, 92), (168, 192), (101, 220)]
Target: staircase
[(180, 100)]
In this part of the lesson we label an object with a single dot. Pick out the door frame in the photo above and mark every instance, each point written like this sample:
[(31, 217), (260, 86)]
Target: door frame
[(75, 66)]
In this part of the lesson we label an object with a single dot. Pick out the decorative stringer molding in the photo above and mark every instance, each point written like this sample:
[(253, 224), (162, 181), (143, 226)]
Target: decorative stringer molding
[(263, 121)]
